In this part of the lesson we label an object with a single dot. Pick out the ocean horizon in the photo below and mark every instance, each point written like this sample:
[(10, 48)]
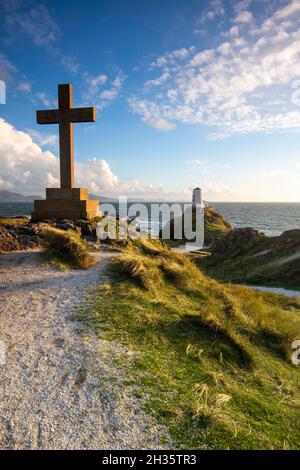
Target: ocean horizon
[(272, 218)]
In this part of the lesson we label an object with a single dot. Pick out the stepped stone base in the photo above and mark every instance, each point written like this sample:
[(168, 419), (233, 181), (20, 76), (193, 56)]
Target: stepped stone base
[(65, 203)]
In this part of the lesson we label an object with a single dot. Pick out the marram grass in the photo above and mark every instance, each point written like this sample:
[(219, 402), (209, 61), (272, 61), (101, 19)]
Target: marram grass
[(66, 249), (212, 362)]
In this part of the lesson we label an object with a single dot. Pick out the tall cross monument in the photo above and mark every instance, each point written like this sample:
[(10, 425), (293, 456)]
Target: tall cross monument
[(66, 201)]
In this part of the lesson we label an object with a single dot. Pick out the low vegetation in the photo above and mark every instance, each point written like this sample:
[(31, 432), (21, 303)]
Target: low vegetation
[(210, 361), (7, 241), (246, 256), (66, 249), (13, 220), (215, 227)]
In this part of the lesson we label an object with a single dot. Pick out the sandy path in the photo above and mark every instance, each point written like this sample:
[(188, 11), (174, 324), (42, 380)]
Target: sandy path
[(60, 388), (276, 290)]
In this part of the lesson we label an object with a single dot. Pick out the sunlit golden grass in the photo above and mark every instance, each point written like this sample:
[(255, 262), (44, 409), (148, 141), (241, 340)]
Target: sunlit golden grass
[(13, 221), (66, 249)]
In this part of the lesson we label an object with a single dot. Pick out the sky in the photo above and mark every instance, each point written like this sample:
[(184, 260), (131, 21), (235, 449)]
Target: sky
[(188, 93)]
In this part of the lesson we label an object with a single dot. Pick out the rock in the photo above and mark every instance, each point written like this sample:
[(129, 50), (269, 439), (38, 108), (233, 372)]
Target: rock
[(23, 236), (247, 256), (8, 242), (66, 224), (88, 227), (237, 241), (215, 227)]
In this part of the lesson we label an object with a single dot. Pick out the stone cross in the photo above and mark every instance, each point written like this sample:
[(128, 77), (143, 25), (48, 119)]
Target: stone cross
[(65, 116)]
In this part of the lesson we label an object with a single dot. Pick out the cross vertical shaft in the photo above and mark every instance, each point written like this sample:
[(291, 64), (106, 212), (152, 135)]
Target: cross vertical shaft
[(66, 147), (65, 116)]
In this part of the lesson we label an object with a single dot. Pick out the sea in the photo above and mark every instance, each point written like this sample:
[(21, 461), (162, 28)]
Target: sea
[(270, 218)]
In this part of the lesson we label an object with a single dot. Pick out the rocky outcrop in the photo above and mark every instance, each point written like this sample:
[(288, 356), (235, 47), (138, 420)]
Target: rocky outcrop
[(247, 256), (237, 241), (22, 234), (215, 227), (8, 242)]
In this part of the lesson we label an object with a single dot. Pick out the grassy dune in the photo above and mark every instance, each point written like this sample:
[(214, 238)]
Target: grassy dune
[(66, 249), (269, 261), (210, 361)]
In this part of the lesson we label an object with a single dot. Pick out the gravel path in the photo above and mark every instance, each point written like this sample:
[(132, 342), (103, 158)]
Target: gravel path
[(60, 387)]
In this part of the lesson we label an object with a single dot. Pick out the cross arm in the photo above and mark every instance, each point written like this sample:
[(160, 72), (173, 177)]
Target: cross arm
[(50, 116), (82, 114)]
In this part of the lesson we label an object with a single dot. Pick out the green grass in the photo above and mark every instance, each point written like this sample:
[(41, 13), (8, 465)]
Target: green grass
[(66, 249), (215, 227), (272, 261), (211, 361)]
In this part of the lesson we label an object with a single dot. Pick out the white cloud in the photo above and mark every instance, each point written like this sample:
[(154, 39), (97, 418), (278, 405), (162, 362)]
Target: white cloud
[(96, 93), (96, 81), (26, 168), (24, 87), (195, 162), (47, 100), (229, 88), (113, 92), (163, 125), (171, 57), (244, 17), (70, 63), (42, 139), (6, 68), (35, 23), (150, 113), (214, 10), (158, 81), (289, 10)]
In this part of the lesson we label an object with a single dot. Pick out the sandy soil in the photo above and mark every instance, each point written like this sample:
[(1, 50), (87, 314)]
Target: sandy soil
[(60, 387)]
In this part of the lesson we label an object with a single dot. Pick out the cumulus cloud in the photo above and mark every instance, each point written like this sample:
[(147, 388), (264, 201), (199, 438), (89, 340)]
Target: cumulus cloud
[(214, 10), (151, 114), (230, 88), (244, 17), (26, 168), (43, 139)]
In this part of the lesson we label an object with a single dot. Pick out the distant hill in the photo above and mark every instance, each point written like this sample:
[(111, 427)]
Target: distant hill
[(8, 196), (103, 198)]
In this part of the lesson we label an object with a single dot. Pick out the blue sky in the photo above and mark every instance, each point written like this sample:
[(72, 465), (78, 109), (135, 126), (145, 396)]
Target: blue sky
[(187, 93)]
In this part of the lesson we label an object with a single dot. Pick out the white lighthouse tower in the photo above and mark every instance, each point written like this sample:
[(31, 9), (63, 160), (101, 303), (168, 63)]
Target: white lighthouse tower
[(197, 197)]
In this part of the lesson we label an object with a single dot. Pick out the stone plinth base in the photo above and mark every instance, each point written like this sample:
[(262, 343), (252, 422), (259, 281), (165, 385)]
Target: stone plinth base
[(65, 203)]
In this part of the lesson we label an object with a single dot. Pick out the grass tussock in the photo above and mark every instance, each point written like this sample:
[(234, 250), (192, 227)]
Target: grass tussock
[(211, 361), (13, 221), (66, 249)]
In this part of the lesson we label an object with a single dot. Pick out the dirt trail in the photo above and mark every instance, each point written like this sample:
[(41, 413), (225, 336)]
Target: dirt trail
[(60, 388)]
